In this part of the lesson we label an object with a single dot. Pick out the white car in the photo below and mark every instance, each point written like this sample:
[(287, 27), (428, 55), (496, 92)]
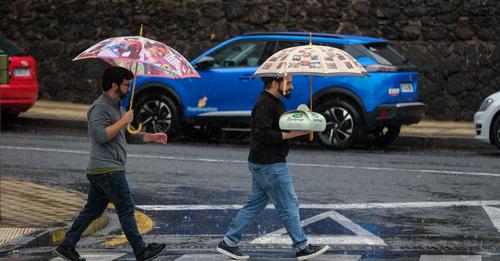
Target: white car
[(487, 120)]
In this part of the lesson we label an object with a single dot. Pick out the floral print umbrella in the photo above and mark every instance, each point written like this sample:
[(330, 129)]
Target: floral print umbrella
[(152, 57)]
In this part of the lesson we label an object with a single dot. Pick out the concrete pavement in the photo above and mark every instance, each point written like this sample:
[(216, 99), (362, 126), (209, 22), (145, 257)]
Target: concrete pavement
[(35, 215)]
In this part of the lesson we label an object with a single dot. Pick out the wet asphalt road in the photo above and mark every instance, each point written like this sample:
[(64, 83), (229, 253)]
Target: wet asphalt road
[(447, 193)]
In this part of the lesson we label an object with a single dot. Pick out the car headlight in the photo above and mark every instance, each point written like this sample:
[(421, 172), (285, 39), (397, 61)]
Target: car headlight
[(486, 103)]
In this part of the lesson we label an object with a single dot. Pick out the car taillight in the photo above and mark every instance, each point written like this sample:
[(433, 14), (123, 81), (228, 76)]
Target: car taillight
[(383, 114), (380, 68)]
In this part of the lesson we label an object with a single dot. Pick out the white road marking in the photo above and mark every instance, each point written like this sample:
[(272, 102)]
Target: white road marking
[(450, 258), (331, 166), (332, 206), (494, 215), (202, 257), (96, 257), (362, 237), (218, 257)]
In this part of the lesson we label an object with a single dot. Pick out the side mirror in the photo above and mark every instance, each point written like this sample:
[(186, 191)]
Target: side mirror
[(204, 63)]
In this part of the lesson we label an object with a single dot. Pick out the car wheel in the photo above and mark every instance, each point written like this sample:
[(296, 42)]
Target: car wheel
[(157, 113), (343, 125), (7, 118), (495, 135)]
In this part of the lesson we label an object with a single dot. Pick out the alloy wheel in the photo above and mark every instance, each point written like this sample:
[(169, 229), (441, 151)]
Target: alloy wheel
[(156, 116), (339, 125)]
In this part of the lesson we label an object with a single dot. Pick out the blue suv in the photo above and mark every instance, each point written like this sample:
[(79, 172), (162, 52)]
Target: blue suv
[(357, 110)]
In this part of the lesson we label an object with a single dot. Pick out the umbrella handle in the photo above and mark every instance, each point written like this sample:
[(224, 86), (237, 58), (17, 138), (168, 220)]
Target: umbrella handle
[(134, 132)]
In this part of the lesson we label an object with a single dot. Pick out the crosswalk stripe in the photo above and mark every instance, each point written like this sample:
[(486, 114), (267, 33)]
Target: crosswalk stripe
[(450, 258), (97, 256), (219, 257)]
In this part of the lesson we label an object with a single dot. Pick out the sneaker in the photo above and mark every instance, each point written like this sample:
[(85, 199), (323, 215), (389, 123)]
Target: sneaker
[(68, 254), (311, 251), (232, 252), (151, 252)]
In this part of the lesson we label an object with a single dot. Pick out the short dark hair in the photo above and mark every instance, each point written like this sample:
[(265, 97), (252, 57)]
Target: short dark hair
[(269, 80), (115, 74)]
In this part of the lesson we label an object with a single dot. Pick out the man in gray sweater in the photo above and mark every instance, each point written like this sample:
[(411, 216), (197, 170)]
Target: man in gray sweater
[(107, 121)]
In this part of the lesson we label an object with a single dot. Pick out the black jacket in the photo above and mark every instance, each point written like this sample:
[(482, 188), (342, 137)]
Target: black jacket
[(266, 143)]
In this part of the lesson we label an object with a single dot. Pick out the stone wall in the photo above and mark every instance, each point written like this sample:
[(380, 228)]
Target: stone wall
[(453, 43)]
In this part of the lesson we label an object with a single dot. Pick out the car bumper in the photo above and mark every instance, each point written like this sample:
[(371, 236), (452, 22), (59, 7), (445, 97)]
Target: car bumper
[(482, 127), (18, 98), (396, 114)]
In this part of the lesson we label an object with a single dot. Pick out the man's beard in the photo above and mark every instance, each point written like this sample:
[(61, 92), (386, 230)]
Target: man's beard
[(287, 94), (120, 94)]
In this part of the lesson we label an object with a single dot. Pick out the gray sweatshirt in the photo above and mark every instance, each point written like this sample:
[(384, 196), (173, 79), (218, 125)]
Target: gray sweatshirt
[(107, 156)]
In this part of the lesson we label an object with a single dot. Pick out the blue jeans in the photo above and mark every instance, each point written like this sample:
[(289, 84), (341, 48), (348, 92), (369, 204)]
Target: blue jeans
[(105, 188), (270, 182)]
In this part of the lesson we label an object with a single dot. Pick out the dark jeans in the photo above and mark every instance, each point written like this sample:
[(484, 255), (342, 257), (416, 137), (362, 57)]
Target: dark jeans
[(105, 188)]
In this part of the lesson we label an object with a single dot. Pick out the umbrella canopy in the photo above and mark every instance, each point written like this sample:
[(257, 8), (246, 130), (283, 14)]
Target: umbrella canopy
[(142, 55), (152, 57), (310, 60)]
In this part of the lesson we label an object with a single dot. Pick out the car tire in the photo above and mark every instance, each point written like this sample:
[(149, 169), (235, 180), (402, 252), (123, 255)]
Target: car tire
[(386, 135), (157, 113), (495, 132), (343, 125), (7, 118)]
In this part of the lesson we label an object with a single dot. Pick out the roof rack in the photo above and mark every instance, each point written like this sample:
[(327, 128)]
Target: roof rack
[(298, 34)]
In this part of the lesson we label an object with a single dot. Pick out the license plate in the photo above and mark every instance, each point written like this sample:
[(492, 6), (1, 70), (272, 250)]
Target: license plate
[(406, 87), (21, 72)]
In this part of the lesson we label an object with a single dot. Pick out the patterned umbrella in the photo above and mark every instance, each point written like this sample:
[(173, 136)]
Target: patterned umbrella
[(152, 57), (310, 60), (143, 56)]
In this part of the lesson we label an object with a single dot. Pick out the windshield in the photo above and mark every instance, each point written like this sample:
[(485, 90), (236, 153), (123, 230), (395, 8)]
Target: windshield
[(385, 54), (10, 48)]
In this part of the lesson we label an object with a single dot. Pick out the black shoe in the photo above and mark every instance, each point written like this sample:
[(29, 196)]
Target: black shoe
[(311, 251), (151, 252), (232, 252), (68, 254)]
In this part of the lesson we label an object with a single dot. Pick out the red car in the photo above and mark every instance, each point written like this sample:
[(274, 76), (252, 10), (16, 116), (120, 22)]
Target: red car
[(18, 80)]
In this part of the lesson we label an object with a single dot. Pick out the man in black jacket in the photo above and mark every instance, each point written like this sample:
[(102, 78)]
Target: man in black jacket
[(271, 179)]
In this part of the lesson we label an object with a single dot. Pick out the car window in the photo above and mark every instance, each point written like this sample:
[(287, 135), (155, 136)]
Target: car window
[(350, 49), (241, 53), (10, 48), (287, 44), (386, 54)]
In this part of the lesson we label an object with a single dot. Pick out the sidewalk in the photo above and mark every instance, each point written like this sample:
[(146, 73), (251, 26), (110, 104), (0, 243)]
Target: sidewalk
[(34, 215)]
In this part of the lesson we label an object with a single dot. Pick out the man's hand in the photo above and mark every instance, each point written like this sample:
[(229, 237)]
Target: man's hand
[(293, 134), (113, 129), (160, 138), (127, 117)]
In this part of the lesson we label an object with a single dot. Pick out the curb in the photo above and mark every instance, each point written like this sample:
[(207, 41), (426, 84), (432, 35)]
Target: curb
[(447, 142), (50, 237), (144, 224), (66, 126)]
